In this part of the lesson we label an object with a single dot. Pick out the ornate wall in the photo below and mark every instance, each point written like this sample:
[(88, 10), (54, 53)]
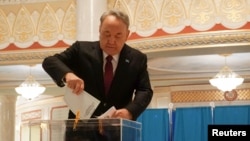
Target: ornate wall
[(149, 18), (164, 25), (33, 29), (37, 24), (167, 25), (156, 26), (29, 27)]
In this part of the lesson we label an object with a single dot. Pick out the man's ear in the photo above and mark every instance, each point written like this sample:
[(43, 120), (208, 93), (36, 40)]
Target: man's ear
[(128, 33), (100, 28)]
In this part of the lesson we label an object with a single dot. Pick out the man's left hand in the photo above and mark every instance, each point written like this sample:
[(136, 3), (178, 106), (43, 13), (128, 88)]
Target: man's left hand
[(122, 113)]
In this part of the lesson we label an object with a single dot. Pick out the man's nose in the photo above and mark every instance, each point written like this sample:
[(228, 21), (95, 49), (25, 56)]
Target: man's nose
[(112, 40)]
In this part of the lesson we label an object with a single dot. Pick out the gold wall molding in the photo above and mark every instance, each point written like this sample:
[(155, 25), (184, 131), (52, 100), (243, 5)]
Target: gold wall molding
[(206, 96), (173, 16), (36, 114), (48, 22), (42, 22), (194, 40), (10, 2), (227, 40), (26, 57)]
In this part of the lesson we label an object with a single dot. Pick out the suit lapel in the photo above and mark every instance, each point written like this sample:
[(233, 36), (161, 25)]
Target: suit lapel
[(122, 68), (123, 62), (97, 66)]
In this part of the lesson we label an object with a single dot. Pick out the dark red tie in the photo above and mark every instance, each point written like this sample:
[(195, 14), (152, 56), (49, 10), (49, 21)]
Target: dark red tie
[(108, 74)]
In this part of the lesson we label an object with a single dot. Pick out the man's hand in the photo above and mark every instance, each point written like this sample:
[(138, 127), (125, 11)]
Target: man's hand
[(122, 113), (74, 82)]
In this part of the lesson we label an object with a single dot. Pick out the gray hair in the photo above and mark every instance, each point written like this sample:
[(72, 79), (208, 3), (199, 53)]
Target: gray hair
[(118, 14)]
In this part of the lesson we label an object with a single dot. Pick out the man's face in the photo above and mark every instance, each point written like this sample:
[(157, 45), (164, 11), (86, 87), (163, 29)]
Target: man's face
[(113, 35)]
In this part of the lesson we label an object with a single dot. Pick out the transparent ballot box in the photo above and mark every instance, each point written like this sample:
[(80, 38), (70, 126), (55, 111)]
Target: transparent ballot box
[(81, 130)]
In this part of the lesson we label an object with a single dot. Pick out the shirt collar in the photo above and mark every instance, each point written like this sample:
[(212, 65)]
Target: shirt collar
[(115, 57)]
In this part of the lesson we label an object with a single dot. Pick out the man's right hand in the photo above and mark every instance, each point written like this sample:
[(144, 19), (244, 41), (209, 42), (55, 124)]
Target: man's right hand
[(74, 82)]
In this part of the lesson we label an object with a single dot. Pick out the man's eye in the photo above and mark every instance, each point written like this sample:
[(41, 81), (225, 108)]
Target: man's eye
[(118, 36)]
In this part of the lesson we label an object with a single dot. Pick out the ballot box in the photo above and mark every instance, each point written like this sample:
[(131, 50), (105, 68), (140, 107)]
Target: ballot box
[(81, 130)]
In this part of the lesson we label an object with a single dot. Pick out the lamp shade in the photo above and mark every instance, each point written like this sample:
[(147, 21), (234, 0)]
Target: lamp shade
[(30, 88)]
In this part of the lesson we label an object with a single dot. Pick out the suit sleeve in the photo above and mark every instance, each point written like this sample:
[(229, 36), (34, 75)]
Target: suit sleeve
[(143, 92), (59, 64)]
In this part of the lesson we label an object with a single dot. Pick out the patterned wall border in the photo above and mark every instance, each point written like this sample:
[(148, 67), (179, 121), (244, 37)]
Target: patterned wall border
[(206, 96), (36, 114), (238, 39), (56, 112), (26, 57), (194, 40)]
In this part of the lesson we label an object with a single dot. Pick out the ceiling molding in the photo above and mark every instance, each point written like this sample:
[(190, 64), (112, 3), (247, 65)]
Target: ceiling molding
[(26, 57), (232, 41), (184, 44)]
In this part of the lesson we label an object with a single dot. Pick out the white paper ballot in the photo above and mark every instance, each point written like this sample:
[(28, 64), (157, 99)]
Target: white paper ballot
[(84, 103), (108, 113)]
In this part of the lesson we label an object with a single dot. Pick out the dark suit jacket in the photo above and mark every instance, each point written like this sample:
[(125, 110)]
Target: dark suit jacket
[(85, 59)]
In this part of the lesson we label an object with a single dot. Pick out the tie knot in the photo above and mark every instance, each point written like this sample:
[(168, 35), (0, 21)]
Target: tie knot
[(109, 58)]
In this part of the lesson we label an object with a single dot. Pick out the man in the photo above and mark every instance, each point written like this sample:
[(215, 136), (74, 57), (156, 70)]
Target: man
[(81, 67)]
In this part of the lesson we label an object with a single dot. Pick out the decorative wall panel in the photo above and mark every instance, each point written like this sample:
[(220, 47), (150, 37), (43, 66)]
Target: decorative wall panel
[(206, 96), (174, 16), (37, 114), (37, 24), (162, 25), (156, 25)]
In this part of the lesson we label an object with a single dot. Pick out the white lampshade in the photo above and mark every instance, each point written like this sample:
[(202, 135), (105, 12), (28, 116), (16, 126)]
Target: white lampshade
[(226, 80), (30, 88)]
